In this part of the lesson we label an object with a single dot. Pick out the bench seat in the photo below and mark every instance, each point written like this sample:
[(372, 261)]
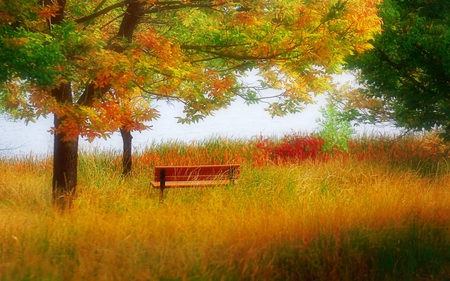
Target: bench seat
[(194, 176), (172, 184)]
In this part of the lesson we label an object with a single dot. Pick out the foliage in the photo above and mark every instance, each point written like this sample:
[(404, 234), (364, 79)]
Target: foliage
[(406, 76), (359, 108), (334, 129), (289, 149), (193, 51)]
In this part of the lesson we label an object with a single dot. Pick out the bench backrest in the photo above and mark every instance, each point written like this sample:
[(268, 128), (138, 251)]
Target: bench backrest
[(197, 173)]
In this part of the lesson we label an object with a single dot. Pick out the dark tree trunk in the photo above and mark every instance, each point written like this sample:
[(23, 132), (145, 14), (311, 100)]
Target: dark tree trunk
[(129, 23), (65, 157), (127, 163), (65, 171)]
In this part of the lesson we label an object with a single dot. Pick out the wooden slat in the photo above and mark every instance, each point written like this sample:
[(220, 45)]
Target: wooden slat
[(196, 176), (183, 184), (193, 173)]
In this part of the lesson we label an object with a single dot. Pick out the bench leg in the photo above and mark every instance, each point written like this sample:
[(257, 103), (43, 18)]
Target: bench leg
[(162, 185), (161, 194)]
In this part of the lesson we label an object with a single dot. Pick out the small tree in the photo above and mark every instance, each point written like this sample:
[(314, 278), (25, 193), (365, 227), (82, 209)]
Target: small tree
[(334, 128)]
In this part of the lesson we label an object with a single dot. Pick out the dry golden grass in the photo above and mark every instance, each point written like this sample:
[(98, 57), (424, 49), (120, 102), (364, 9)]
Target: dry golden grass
[(310, 221)]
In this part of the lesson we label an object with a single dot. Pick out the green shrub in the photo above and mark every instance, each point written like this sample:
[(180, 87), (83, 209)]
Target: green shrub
[(334, 129)]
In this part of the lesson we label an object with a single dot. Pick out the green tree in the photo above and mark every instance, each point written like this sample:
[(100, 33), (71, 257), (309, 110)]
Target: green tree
[(97, 65), (406, 77), (334, 128)]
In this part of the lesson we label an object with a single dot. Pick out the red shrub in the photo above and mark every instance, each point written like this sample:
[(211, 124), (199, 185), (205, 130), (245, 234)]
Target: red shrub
[(291, 148)]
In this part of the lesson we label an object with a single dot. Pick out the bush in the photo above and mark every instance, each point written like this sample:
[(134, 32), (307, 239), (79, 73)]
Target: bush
[(334, 129), (291, 148)]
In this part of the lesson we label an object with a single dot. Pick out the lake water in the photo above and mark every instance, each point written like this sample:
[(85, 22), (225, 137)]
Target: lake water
[(238, 121)]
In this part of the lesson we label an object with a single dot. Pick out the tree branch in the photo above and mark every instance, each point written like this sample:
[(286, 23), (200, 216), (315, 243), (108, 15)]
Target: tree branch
[(102, 12), (228, 55), (87, 98), (159, 95), (99, 5), (397, 67), (161, 6), (127, 27)]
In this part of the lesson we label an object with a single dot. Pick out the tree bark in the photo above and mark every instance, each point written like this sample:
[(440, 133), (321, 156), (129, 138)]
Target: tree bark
[(65, 171), (65, 157), (127, 151), (127, 28)]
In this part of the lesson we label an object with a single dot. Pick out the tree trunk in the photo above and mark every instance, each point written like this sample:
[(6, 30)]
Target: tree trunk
[(65, 157), (127, 151), (131, 19), (65, 170)]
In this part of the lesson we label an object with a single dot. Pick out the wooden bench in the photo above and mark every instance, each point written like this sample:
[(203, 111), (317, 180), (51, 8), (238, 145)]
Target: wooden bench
[(194, 176)]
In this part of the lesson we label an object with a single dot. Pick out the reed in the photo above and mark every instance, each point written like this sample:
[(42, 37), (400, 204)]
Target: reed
[(342, 218)]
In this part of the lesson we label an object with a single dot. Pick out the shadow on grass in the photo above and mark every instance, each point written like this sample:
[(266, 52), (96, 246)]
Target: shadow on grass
[(417, 251)]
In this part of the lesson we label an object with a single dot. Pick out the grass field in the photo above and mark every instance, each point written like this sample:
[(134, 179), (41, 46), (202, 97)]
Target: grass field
[(379, 212)]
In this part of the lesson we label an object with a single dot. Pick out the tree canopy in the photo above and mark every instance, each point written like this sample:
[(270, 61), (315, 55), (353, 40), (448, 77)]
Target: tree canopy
[(193, 51), (97, 65), (406, 77)]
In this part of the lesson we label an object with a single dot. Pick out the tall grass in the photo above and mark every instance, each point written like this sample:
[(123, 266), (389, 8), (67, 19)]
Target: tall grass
[(341, 218)]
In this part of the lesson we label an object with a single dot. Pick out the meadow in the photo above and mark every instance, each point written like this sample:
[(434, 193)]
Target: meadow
[(379, 211)]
